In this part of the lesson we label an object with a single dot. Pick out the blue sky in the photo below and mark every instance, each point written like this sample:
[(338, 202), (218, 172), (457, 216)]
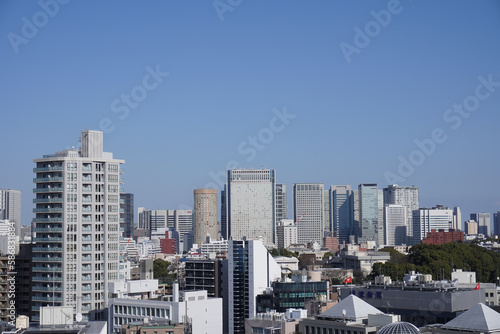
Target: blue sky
[(354, 117)]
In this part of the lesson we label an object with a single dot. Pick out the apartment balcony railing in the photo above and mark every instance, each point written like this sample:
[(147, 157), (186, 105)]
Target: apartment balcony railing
[(47, 229), (45, 210), (48, 200), (42, 220), (47, 249), (48, 169), (46, 259), (48, 179), (55, 239), (48, 190)]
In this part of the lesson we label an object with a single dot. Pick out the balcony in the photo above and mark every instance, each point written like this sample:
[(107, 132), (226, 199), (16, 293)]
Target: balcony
[(47, 229), (122, 171), (46, 279), (87, 199), (86, 238), (86, 287), (52, 239), (48, 179), (46, 299), (48, 220), (86, 278), (48, 169), (46, 259), (48, 190), (86, 258), (47, 249), (50, 269), (47, 288), (47, 210), (87, 268), (48, 200), (87, 179)]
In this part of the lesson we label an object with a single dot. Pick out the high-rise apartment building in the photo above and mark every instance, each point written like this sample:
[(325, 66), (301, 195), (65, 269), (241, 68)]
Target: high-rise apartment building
[(286, 232), (471, 227), (427, 219), (127, 214), (247, 272), (496, 223), (10, 207), (483, 221), (395, 224), (281, 202), (205, 215), (308, 211), (250, 197), (76, 227), (457, 218), (371, 213), (406, 196), (341, 211), (180, 221), (327, 225)]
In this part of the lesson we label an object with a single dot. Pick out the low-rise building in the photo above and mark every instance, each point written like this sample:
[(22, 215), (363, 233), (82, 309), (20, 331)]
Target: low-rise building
[(351, 315), (196, 309)]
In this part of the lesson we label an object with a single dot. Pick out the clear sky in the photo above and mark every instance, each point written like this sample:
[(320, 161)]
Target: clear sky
[(355, 85)]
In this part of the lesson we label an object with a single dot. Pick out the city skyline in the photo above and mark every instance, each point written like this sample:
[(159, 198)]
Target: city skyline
[(261, 85)]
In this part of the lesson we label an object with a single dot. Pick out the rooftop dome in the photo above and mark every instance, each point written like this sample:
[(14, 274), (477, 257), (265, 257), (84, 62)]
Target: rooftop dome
[(399, 328)]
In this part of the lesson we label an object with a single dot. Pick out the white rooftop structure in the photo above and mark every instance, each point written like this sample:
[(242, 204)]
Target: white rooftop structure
[(479, 318), (351, 308)]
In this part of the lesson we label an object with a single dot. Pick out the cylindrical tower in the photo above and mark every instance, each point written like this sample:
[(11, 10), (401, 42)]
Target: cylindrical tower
[(205, 215)]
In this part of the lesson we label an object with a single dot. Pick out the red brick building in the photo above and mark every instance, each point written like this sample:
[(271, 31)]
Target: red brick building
[(441, 237), (168, 245), (332, 243)]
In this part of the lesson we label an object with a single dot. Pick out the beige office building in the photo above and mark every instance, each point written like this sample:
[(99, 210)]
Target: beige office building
[(205, 215)]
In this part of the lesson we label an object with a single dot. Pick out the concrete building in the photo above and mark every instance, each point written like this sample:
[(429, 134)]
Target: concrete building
[(483, 221), (127, 214), (250, 204), (214, 247), (134, 289), (76, 226), (427, 219), (407, 197), (281, 202), (350, 315), (362, 261), (371, 213), (205, 215), (308, 211), (431, 302), (204, 275), (286, 233), (180, 221), (395, 224), (471, 227), (496, 223), (457, 219), (195, 309), (248, 271), (341, 212), (275, 322), (10, 207)]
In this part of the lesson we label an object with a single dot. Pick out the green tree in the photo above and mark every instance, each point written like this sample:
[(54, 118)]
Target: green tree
[(160, 269)]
